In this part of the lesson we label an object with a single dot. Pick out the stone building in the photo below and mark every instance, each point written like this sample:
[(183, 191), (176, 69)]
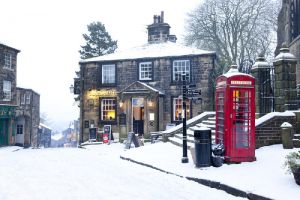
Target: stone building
[(8, 93), (140, 89), (27, 118)]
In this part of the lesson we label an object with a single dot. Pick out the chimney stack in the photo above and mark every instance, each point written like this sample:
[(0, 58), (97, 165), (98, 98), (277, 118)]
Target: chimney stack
[(162, 17), (154, 19)]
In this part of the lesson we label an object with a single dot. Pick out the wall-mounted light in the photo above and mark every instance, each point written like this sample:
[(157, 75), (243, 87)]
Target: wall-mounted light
[(150, 103), (121, 104)]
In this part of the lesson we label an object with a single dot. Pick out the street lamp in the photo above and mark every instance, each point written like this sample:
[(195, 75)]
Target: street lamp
[(184, 158)]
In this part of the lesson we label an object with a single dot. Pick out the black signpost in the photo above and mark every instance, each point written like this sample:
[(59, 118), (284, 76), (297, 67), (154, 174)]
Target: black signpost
[(192, 94)]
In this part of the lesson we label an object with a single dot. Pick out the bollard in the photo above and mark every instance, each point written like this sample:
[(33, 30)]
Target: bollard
[(286, 135)]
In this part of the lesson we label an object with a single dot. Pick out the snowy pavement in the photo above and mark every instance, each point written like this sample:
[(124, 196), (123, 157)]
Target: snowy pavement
[(265, 177), (94, 173)]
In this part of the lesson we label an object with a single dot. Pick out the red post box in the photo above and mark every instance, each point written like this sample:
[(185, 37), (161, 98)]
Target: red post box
[(235, 115)]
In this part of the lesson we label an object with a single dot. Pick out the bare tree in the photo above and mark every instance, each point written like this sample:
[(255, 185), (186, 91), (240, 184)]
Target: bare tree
[(238, 30)]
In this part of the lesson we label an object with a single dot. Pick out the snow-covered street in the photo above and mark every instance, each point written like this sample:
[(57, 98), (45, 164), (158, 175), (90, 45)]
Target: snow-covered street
[(96, 172)]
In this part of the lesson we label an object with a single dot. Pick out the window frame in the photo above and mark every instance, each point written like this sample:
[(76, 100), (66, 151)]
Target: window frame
[(7, 92), (28, 98), (20, 127), (188, 105), (189, 71), (101, 121), (7, 60), (23, 99), (140, 71), (104, 74)]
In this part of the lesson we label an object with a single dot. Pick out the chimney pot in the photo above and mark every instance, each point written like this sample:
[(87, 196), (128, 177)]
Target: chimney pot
[(162, 17)]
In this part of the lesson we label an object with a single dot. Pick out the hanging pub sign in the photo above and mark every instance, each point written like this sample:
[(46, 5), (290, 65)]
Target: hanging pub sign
[(76, 86)]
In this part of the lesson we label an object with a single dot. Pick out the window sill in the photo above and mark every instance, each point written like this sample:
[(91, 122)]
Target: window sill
[(108, 85), (145, 80), (108, 122), (7, 68)]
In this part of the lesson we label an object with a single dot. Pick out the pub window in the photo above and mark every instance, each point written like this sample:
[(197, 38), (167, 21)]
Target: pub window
[(145, 71), (177, 109), (7, 60), (181, 67), (7, 90), (108, 74), (108, 109), (19, 129)]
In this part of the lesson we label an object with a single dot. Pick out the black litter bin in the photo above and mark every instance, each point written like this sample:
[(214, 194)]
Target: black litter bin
[(202, 138)]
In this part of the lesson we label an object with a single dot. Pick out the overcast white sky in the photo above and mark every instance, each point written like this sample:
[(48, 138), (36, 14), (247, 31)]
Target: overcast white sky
[(49, 35)]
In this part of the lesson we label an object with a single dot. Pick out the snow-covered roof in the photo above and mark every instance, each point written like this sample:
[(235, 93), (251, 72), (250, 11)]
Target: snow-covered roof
[(1, 43), (45, 126), (57, 136), (235, 72), (151, 88), (155, 50)]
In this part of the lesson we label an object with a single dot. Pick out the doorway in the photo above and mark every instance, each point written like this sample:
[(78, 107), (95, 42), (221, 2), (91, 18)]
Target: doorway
[(3, 132), (138, 115)]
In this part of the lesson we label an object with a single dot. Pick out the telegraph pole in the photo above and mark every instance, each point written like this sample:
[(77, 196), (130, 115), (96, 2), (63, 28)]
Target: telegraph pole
[(184, 158)]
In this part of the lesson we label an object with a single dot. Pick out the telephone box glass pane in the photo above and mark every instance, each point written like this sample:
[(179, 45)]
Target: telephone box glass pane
[(241, 117), (220, 118)]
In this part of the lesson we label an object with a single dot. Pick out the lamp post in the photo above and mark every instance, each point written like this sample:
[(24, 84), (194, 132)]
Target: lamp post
[(184, 158)]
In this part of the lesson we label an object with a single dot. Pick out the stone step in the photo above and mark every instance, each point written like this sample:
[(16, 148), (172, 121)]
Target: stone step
[(296, 143), (297, 136), (211, 126), (178, 142), (212, 118), (189, 138), (209, 122)]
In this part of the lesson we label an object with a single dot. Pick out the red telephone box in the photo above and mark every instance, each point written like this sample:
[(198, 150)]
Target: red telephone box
[(235, 115)]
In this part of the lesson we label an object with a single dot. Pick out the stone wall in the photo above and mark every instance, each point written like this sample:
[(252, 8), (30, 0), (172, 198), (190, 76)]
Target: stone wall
[(269, 131), (28, 115), (8, 74), (295, 50), (127, 72)]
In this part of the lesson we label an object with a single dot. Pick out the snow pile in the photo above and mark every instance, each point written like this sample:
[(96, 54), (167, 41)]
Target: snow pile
[(265, 177), (93, 173), (269, 116)]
